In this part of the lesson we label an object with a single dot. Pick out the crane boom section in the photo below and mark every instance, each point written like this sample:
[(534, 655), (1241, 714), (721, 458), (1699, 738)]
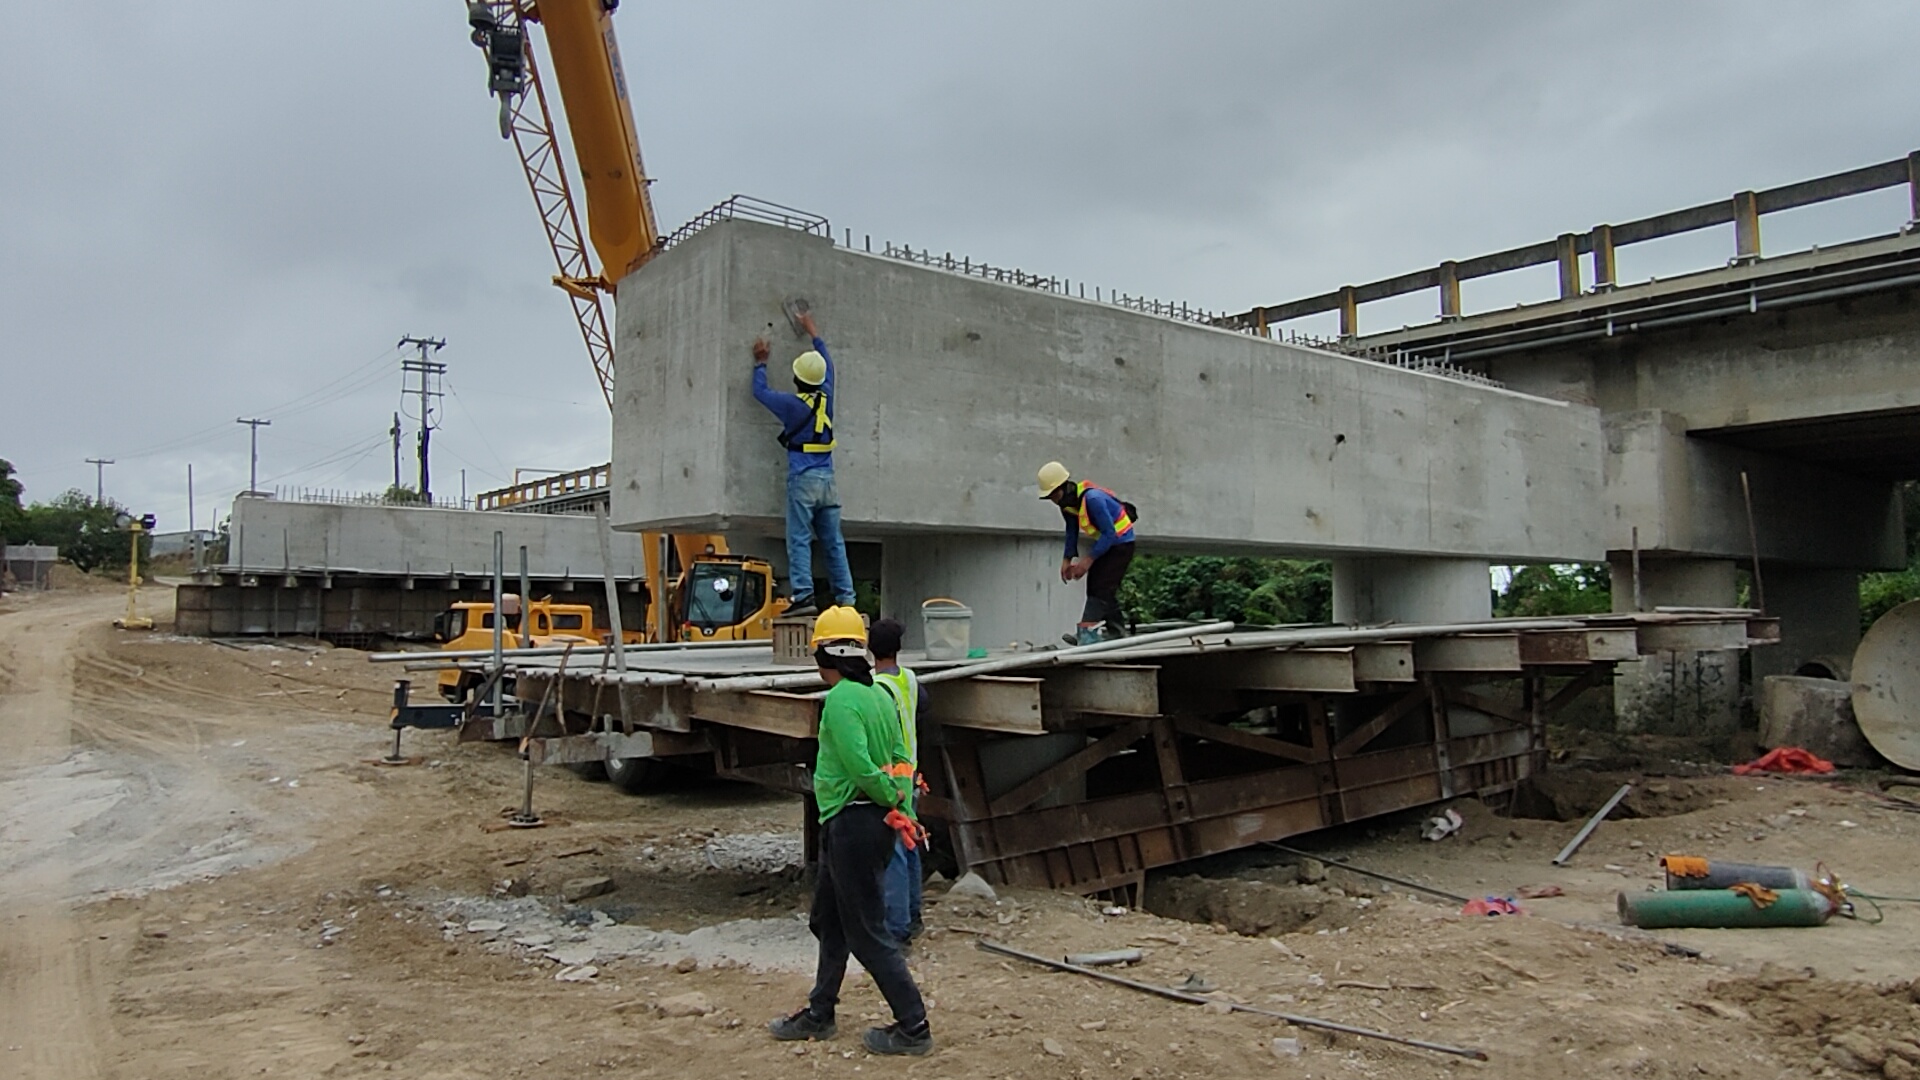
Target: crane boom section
[(593, 91)]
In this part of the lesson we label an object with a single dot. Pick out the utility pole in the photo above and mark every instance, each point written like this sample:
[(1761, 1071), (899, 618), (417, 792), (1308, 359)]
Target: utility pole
[(253, 444), (190, 528), (99, 478), (431, 374), (395, 432)]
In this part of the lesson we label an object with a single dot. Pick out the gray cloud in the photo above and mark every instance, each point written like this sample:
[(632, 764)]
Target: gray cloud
[(213, 215)]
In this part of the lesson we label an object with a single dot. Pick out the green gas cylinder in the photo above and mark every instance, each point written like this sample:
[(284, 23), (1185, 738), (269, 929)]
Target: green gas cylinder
[(1722, 909)]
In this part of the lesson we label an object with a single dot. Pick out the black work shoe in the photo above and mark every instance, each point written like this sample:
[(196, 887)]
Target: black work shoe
[(802, 1025), (803, 606), (893, 1039), (915, 929)]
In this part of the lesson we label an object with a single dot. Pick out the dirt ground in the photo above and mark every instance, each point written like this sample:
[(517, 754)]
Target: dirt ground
[(206, 876)]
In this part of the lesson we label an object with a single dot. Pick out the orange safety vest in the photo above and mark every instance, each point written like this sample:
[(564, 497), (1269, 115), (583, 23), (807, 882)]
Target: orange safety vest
[(1120, 524)]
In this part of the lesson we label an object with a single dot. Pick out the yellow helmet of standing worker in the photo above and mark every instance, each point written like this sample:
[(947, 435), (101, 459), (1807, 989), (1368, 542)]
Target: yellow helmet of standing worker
[(810, 367), (1052, 475), (839, 623)]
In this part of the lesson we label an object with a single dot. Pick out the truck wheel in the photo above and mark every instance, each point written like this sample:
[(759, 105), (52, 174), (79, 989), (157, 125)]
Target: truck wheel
[(592, 771), (637, 776)]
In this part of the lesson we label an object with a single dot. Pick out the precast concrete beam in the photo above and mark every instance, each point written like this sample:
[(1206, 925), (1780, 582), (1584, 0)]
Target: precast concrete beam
[(446, 546), (953, 390)]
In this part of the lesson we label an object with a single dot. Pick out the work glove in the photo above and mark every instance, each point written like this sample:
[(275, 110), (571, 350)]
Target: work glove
[(912, 833)]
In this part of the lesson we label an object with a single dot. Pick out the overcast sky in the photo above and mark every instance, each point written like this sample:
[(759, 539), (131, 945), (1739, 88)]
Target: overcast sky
[(219, 208)]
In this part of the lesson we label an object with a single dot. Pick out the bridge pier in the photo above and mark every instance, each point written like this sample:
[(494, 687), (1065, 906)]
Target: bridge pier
[(1411, 590), (1819, 612), (1677, 693), (1011, 583)]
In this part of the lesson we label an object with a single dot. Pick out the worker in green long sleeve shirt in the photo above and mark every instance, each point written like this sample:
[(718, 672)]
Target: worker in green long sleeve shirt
[(860, 782)]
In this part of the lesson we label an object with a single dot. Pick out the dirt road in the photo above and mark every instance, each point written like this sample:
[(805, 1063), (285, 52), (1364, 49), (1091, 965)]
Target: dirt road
[(50, 997), (207, 877)]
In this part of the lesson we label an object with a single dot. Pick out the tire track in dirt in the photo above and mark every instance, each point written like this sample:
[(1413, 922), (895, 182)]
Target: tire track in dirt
[(51, 1009)]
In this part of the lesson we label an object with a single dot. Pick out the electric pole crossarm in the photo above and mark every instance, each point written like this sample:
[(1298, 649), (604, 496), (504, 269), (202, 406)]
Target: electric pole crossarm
[(431, 373), (99, 478), (253, 445)]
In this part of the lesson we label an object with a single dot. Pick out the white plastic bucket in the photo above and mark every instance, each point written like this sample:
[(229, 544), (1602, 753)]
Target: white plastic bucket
[(949, 624)]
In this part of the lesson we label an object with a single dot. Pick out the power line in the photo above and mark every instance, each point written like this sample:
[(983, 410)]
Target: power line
[(331, 457), (300, 403), (478, 428)]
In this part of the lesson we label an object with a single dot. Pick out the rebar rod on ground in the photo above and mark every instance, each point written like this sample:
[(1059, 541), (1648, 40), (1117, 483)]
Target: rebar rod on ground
[(1593, 823), (1352, 869), (1196, 999)]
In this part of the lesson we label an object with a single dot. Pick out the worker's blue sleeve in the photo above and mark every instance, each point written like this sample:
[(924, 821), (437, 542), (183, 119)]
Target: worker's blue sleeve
[(1073, 539), (788, 407), (1101, 511), (820, 347)]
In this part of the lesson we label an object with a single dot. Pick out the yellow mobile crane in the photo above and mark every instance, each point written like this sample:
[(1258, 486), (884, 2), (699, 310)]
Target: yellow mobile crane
[(718, 596)]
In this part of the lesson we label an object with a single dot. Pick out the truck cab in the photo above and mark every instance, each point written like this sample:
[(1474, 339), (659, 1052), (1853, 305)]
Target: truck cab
[(727, 598), (468, 625)]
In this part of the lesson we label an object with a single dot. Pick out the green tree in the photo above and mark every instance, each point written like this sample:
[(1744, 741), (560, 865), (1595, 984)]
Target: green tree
[(400, 494), (1882, 592), (1542, 590), (12, 514), (1213, 587), (87, 533)]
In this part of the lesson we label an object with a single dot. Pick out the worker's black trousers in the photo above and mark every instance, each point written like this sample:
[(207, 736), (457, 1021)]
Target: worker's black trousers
[(1103, 584), (850, 914)]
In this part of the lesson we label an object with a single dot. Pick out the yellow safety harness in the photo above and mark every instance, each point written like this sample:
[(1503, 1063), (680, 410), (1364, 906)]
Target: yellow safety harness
[(821, 407)]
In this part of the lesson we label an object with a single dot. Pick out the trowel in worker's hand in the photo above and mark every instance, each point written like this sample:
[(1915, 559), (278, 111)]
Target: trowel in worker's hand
[(795, 308)]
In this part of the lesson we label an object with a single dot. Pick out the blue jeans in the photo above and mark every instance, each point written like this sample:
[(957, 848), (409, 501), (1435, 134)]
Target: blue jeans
[(813, 509), (903, 889)]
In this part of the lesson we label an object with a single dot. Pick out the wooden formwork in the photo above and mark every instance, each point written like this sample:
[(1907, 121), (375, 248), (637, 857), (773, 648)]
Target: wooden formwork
[(1084, 776)]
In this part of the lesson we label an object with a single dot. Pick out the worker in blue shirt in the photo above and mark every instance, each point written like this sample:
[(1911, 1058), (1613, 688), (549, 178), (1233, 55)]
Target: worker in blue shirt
[(813, 502), (1099, 515)]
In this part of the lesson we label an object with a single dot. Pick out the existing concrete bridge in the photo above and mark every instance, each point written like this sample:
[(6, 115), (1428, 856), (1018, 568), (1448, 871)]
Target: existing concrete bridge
[(1799, 372)]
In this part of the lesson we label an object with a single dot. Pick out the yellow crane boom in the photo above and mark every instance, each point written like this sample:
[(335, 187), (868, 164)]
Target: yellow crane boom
[(620, 220), (593, 89), (593, 92)]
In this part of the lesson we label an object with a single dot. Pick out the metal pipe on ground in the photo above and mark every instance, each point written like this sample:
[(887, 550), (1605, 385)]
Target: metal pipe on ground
[(1352, 869), (1593, 823), (1171, 994)]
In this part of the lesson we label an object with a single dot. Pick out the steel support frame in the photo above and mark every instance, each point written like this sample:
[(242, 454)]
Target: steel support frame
[(1109, 842)]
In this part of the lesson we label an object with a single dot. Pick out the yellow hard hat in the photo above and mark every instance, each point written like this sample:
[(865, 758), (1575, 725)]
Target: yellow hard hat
[(810, 367), (1052, 475), (839, 623)]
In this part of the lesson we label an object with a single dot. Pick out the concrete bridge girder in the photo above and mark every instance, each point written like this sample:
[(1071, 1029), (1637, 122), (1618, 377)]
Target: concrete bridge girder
[(953, 390)]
